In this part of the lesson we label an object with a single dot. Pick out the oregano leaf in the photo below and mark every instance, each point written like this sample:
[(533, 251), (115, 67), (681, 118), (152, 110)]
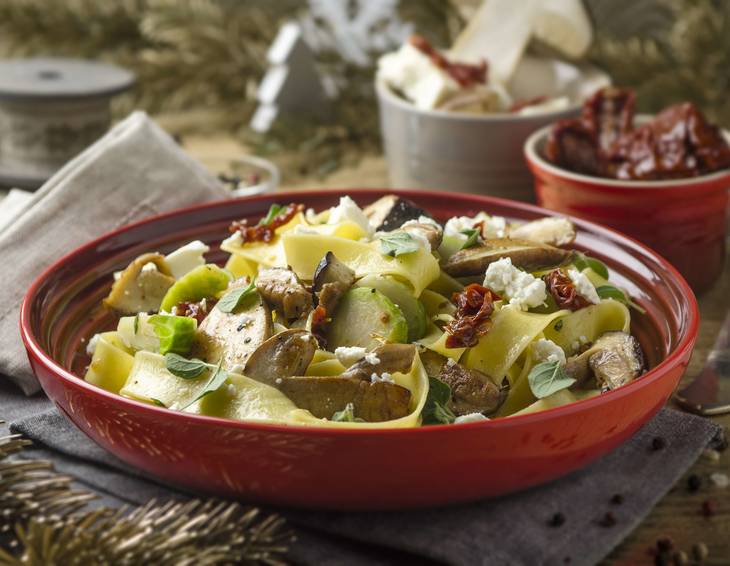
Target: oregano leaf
[(182, 367), (436, 410), (218, 377), (472, 238), (233, 299), (398, 243), (548, 378)]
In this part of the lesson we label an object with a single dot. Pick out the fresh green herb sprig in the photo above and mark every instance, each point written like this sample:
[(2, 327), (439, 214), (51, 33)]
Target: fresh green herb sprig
[(472, 238), (347, 415), (274, 211), (233, 299), (547, 378), (583, 261), (395, 244), (190, 369), (436, 410)]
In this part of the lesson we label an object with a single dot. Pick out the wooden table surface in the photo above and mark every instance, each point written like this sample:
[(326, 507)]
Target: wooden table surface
[(679, 514)]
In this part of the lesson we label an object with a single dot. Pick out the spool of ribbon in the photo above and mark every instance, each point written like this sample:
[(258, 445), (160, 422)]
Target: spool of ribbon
[(50, 110)]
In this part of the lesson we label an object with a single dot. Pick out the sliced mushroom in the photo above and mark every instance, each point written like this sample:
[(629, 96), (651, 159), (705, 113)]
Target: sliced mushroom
[(283, 355), (331, 280), (391, 358), (434, 234), (323, 396), (140, 288), (283, 290), (530, 256), (233, 337), (554, 231), (391, 211), (613, 360), (472, 391)]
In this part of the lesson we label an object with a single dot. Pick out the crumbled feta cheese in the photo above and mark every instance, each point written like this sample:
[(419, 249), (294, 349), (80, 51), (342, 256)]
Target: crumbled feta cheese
[(492, 226), (385, 376), (173, 310), (416, 76), (450, 362), (231, 389), (547, 351), (147, 267), (237, 368), (185, 259), (348, 210), (372, 358), (522, 289), (91, 346), (302, 229), (470, 418), (720, 480), (578, 344), (583, 286), (277, 381), (348, 355)]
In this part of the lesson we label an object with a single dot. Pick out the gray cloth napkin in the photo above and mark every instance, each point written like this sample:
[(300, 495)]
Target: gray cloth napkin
[(135, 170), (510, 530)]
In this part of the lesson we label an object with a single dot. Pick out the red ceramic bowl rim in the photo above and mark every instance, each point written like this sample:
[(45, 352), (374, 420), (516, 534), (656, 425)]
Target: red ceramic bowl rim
[(533, 156), (683, 347), (386, 93)]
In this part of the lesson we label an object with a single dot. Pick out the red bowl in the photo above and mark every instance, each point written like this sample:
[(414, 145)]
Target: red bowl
[(685, 220), (346, 469)]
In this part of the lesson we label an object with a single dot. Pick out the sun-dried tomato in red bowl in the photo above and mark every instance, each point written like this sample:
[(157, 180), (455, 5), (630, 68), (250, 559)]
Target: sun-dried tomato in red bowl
[(678, 204)]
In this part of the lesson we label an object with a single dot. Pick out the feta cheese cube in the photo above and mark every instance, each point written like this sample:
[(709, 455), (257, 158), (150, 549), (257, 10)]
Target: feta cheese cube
[(348, 210), (186, 258)]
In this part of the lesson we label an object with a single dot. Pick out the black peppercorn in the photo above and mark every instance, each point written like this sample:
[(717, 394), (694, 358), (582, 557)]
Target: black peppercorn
[(694, 482), (608, 520), (556, 520), (617, 499), (658, 443)]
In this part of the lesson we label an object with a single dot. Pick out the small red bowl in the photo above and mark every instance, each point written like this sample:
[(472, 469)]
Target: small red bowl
[(346, 469), (685, 220)]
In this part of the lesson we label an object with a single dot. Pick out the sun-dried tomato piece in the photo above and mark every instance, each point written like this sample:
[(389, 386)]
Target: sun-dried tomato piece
[(197, 310), (563, 291), (609, 114), (464, 74), (264, 231), (474, 306), (319, 325)]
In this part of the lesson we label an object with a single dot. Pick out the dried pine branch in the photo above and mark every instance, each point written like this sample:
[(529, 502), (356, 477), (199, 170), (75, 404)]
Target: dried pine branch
[(44, 521)]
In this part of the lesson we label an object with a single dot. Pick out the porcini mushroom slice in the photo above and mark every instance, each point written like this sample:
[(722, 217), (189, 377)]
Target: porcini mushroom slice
[(141, 289), (526, 255), (285, 354), (391, 358), (391, 212), (281, 288), (331, 270), (554, 231), (434, 234), (613, 360), (233, 337), (323, 396), (472, 391)]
